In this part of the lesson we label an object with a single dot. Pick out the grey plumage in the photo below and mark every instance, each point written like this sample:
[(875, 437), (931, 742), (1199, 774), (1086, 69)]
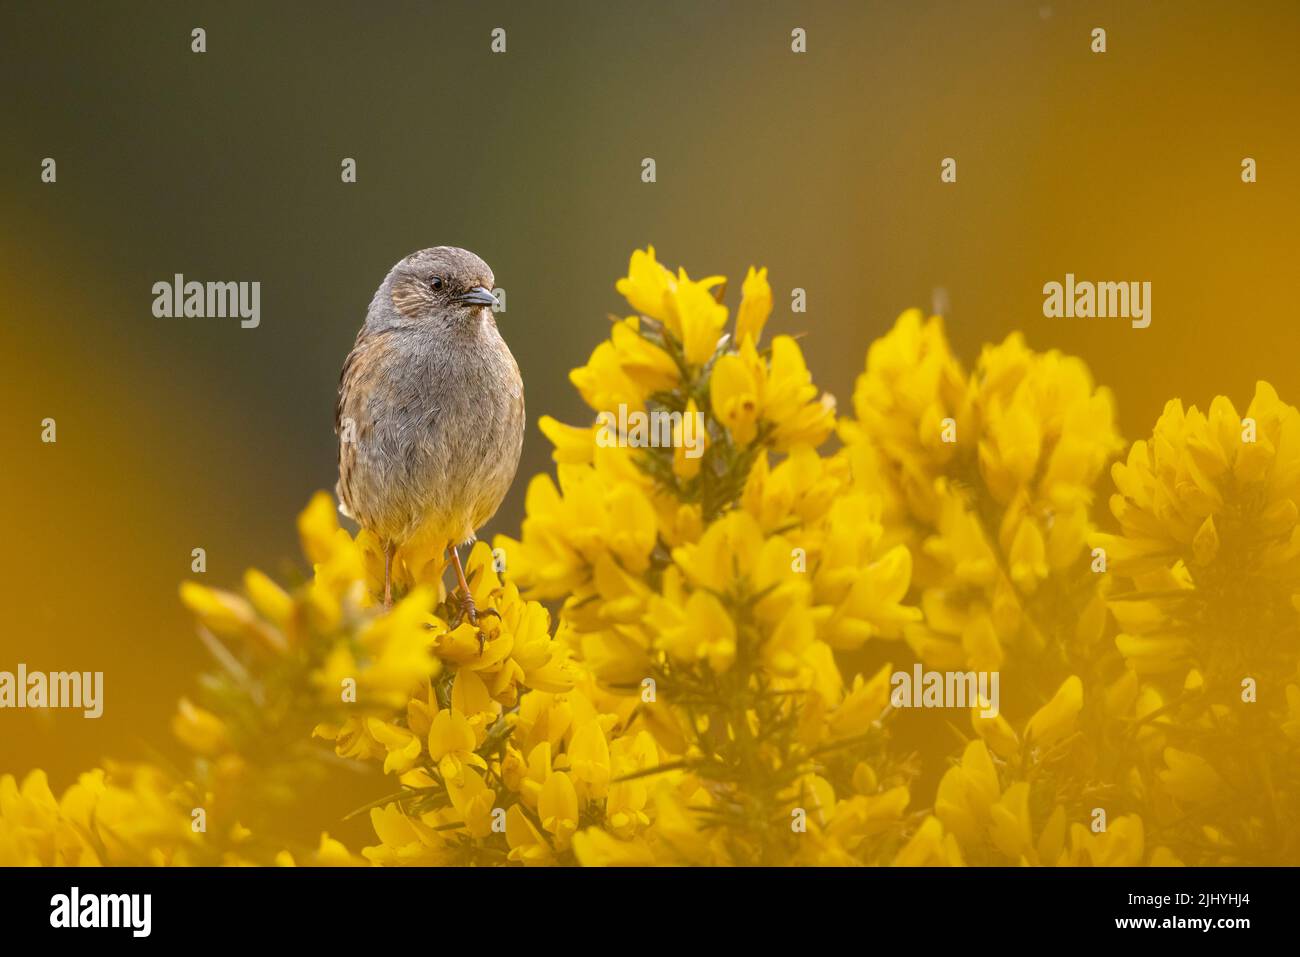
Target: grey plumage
[(430, 413)]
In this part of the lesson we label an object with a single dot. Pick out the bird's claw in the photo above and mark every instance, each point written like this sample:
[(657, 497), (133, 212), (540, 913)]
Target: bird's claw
[(465, 609), (468, 610)]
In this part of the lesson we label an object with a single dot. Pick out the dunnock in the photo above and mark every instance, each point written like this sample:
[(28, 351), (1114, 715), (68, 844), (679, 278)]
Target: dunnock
[(430, 415)]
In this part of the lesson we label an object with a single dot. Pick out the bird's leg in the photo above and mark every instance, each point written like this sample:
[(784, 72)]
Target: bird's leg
[(388, 575), (467, 600)]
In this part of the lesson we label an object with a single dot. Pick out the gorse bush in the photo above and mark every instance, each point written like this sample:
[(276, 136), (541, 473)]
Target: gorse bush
[(671, 667)]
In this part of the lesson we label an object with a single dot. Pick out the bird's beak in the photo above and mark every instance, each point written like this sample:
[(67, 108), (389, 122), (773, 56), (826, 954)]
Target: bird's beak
[(478, 296)]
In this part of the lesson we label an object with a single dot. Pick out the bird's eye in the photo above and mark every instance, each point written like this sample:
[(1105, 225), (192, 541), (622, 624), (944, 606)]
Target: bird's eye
[(436, 282)]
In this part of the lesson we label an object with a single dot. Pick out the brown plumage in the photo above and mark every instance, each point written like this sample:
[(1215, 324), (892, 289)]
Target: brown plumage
[(430, 415)]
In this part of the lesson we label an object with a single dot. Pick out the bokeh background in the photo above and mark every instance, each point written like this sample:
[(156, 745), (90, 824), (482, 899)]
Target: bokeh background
[(183, 433)]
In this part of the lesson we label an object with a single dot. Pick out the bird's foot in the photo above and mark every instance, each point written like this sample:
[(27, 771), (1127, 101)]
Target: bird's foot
[(467, 610)]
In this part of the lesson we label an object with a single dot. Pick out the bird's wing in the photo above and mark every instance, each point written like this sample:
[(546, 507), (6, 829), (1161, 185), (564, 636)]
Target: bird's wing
[(347, 426), (347, 376)]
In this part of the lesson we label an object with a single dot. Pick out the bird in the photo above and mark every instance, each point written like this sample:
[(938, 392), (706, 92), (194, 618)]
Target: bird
[(430, 411)]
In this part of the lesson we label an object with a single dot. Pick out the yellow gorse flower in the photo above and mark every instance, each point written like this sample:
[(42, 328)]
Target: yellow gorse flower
[(1208, 549), (989, 478), (755, 305)]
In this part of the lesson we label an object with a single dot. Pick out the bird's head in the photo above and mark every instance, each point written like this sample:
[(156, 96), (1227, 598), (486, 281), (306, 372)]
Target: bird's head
[(444, 283)]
